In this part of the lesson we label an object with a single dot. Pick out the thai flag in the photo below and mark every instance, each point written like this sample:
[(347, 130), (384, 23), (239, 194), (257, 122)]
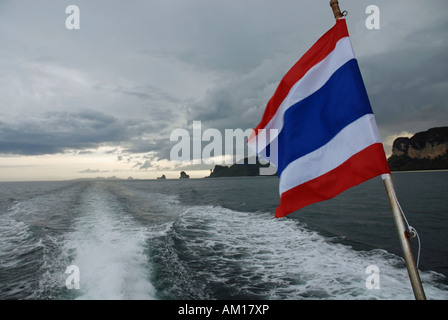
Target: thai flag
[(322, 126)]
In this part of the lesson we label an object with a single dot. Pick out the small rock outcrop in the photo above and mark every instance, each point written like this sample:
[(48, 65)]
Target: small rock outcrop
[(183, 175)]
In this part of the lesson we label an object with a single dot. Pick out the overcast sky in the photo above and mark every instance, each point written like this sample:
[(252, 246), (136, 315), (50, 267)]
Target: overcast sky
[(104, 99)]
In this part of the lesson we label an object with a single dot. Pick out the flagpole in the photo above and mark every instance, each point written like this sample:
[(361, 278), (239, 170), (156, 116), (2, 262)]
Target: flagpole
[(403, 232), (334, 4)]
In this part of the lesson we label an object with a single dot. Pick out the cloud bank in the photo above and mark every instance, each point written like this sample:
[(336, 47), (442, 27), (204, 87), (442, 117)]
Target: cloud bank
[(136, 71)]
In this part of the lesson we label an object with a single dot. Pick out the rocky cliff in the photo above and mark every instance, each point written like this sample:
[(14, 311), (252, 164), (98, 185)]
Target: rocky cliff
[(426, 150), (244, 169)]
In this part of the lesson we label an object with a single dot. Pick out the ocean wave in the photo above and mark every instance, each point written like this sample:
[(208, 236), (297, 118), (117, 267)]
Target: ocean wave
[(228, 254), (130, 241)]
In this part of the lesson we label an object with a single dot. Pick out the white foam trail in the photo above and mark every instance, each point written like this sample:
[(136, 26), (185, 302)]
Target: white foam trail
[(109, 251), (279, 259)]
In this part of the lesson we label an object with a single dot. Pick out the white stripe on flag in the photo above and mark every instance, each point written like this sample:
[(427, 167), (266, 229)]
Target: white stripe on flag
[(354, 138)]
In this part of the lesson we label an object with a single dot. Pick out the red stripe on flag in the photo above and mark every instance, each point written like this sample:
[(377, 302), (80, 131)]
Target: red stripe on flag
[(361, 167), (322, 48)]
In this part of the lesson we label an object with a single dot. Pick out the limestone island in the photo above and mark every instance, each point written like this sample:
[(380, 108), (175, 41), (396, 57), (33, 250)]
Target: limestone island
[(427, 150), (245, 168), (183, 175)]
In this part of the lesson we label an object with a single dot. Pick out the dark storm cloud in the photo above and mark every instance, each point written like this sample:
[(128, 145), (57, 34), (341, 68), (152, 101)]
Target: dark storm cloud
[(141, 145), (404, 66), (239, 101), (149, 93), (60, 131), (408, 84), (145, 68)]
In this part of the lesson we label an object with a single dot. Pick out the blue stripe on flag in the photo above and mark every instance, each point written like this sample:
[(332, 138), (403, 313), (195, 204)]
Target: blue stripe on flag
[(312, 122)]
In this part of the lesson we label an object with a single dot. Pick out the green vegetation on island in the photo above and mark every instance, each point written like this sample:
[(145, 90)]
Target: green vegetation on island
[(426, 150)]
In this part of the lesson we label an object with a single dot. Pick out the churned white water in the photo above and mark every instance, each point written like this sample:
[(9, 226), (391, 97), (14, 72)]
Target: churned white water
[(204, 239), (279, 259), (108, 248)]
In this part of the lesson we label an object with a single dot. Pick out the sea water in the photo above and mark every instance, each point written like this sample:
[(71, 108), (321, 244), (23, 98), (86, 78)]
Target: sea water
[(216, 239)]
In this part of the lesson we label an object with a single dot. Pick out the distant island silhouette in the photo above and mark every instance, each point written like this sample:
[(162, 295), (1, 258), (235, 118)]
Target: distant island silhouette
[(244, 169), (183, 175)]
